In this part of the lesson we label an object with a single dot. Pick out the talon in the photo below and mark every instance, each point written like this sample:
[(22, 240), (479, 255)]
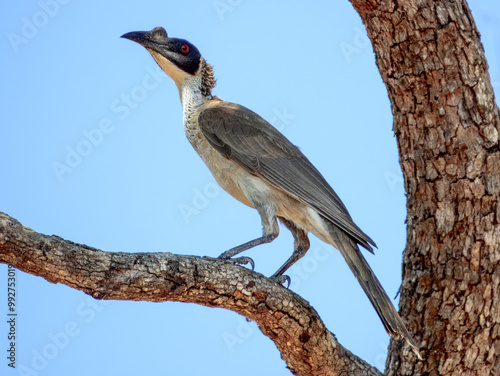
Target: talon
[(281, 279), (243, 260)]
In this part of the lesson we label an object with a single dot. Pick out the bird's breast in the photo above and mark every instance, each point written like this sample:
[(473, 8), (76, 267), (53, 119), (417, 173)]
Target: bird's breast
[(228, 174), (246, 187)]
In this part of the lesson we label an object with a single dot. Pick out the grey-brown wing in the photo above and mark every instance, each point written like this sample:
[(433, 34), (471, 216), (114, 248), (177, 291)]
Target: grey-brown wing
[(246, 138)]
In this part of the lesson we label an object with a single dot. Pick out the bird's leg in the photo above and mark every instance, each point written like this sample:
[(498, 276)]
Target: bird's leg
[(245, 246), (270, 231), (301, 245)]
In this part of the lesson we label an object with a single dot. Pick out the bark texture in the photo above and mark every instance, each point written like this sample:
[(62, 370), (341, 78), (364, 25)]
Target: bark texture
[(447, 126), (305, 344), (446, 122)]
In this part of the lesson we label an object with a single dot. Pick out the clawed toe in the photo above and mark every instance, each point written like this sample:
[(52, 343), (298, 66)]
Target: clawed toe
[(243, 260), (281, 279)]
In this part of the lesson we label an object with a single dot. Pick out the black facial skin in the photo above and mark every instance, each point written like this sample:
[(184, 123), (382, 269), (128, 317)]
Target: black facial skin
[(179, 51)]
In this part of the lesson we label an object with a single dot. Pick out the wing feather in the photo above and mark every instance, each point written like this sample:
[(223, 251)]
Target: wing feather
[(246, 138)]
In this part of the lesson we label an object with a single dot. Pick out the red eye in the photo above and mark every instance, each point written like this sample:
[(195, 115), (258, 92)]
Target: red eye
[(185, 49)]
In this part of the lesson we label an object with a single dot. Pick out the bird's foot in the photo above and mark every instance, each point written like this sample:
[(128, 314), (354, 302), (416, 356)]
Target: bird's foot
[(243, 260), (281, 279)]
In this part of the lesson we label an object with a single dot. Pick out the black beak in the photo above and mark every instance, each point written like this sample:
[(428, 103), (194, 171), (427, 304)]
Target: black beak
[(141, 37), (155, 38)]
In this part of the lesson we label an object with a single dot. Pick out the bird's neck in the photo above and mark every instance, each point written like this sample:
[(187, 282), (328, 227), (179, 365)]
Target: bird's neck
[(192, 101), (197, 89), (191, 97)]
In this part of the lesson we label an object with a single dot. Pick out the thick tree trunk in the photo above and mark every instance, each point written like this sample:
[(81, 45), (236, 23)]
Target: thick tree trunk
[(446, 123)]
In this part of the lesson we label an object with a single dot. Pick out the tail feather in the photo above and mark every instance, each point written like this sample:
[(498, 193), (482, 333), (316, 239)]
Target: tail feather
[(373, 289)]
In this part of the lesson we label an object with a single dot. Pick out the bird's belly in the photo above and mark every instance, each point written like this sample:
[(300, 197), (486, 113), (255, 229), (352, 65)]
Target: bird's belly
[(230, 177), (228, 174), (240, 184)]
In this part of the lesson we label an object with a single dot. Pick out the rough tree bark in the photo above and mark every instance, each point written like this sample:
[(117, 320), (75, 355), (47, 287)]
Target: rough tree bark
[(446, 123), (295, 327)]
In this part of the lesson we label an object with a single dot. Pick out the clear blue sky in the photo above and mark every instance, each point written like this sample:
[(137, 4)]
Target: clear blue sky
[(92, 149)]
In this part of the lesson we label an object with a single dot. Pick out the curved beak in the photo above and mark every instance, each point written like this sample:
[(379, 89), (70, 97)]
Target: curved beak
[(155, 40), (141, 37)]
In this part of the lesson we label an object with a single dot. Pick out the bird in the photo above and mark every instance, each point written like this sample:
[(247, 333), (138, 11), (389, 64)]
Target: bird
[(261, 168)]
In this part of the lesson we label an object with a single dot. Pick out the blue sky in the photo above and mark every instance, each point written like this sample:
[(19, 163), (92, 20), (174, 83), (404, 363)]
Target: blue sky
[(92, 149)]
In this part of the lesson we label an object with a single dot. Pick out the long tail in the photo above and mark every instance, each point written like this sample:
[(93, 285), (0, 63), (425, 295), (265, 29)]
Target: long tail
[(373, 289)]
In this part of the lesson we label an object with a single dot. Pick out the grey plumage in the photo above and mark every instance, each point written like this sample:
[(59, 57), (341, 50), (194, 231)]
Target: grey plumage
[(261, 168), (247, 139)]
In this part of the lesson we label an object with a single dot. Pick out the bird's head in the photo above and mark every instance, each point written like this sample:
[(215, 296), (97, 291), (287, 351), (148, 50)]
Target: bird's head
[(177, 57)]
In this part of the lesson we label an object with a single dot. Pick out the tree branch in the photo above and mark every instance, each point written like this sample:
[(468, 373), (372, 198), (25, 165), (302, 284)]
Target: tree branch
[(294, 326)]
